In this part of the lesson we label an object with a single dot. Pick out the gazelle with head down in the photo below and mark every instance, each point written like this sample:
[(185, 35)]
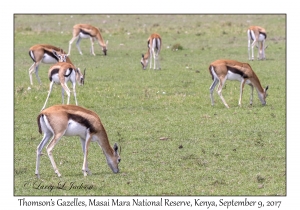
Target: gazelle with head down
[(70, 120), (222, 70), (61, 73), (45, 53), (86, 31), (258, 36), (154, 47)]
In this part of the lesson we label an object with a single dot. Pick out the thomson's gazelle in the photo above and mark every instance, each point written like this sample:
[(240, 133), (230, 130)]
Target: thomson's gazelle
[(61, 73), (45, 53), (258, 36), (222, 70), (85, 31), (154, 47), (70, 120)]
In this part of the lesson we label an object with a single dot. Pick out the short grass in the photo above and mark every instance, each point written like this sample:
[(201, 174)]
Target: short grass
[(173, 141)]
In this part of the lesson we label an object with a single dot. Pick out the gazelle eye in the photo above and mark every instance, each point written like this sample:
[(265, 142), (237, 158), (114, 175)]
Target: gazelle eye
[(119, 160)]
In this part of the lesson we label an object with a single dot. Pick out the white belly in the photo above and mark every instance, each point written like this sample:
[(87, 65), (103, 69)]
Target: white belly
[(233, 76), (75, 129), (261, 37), (84, 36), (48, 59), (55, 79), (238, 77)]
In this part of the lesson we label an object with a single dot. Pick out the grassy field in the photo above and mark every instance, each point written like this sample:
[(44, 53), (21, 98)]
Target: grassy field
[(173, 141)]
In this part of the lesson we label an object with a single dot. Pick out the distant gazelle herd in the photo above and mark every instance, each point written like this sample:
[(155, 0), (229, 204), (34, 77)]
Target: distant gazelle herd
[(72, 120)]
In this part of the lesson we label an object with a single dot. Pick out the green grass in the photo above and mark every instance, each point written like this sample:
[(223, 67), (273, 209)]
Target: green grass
[(207, 150)]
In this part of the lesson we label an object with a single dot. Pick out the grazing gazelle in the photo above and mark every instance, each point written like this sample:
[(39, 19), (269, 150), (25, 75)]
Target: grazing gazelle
[(258, 36), (154, 47), (70, 120), (61, 73), (45, 53), (222, 70), (86, 31)]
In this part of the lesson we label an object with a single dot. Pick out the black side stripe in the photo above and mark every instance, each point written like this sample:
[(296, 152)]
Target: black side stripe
[(86, 33)]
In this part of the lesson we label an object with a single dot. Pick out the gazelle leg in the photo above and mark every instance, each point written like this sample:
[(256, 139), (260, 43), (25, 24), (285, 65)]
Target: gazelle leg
[(252, 49), (92, 45), (222, 82), (78, 45), (150, 57), (50, 147), (31, 70), (263, 50), (85, 146), (241, 92), (157, 57), (50, 90), (87, 170), (47, 136), (154, 60), (251, 95), (63, 95), (249, 49), (65, 88), (70, 44), (34, 68), (74, 92), (212, 87)]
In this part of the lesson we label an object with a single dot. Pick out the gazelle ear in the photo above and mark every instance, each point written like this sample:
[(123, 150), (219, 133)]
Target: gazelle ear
[(116, 148), (54, 53)]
